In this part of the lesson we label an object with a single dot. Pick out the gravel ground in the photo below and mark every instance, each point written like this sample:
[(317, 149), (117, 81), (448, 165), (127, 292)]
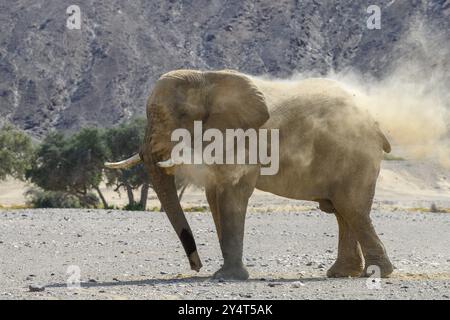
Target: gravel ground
[(136, 255)]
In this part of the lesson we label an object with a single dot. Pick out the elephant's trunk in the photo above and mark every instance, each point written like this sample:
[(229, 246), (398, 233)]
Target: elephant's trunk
[(164, 186)]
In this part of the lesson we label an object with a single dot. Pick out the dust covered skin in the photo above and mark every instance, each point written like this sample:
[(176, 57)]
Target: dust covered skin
[(289, 246)]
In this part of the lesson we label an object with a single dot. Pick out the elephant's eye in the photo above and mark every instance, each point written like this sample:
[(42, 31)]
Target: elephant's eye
[(182, 115)]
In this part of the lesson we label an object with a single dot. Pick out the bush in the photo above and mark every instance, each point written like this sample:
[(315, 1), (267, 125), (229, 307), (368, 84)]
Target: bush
[(51, 199), (16, 151), (73, 165), (136, 206)]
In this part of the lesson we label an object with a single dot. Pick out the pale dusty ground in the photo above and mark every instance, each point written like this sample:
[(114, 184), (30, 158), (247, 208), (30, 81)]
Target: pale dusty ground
[(401, 183), (288, 247)]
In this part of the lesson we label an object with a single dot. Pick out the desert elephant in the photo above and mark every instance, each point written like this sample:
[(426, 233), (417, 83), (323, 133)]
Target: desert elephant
[(329, 152)]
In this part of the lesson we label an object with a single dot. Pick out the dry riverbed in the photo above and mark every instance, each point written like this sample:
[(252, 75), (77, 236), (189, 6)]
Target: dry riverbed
[(136, 255)]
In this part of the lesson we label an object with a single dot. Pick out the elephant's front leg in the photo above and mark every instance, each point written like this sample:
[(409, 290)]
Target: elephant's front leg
[(211, 196), (229, 205), (232, 210)]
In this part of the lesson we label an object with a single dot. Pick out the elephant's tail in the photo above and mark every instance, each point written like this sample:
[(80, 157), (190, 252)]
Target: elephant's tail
[(386, 145), (134, 160)]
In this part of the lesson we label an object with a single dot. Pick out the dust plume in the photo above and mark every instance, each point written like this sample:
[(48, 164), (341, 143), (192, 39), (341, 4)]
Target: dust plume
[(412, 102)]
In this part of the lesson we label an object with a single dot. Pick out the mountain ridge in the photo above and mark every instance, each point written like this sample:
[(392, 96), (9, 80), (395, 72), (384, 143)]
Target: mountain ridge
[(101, 75)]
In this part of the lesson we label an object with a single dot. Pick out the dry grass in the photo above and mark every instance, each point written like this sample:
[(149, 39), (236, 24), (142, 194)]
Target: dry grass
[(391, 157), (421, 276), (430, 210), (14, 207)]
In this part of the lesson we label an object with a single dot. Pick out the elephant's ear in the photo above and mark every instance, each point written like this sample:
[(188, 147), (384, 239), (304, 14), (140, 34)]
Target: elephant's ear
[(233, 101)]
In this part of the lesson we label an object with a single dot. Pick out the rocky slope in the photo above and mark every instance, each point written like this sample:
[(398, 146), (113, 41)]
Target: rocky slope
[(53, 77)]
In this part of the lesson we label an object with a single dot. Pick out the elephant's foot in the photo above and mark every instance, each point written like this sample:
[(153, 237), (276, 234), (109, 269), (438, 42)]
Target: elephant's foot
[(385, 267), (345, 269), (234, 272)]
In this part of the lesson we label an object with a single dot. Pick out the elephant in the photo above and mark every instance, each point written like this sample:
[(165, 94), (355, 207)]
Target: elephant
[(330, 152)]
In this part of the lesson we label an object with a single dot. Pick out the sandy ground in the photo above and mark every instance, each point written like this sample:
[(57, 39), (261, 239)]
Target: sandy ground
[(288, 247), (401, 183), (136, 255)]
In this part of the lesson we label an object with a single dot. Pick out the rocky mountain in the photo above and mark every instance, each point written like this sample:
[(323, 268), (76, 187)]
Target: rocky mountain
[(52, 77)]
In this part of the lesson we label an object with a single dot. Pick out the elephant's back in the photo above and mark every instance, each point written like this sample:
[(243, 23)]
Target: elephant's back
[(323, 135), (316, 106)]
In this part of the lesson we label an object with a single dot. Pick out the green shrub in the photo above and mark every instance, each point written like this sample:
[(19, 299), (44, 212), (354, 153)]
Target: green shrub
[(51, 199), (16, 151), (73, 165), (136, 206), (197, 209)]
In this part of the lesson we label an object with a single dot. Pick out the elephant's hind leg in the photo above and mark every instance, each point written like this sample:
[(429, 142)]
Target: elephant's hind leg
[(326, 206), (349, 262), (354, 205)]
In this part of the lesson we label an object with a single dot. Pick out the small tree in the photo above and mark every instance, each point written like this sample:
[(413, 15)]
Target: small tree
[(73, 165), (48, 166), (123, 141), (16, 152), (86, 154)]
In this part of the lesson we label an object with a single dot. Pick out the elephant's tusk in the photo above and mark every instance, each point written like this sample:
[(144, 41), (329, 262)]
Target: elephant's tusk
[(134, 160), (168, 163)]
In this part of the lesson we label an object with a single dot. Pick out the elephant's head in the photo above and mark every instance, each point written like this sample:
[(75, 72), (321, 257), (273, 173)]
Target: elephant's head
[(223, 99)]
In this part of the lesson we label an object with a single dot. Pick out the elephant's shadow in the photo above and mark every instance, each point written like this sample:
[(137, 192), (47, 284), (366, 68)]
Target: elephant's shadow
[(195, 279)]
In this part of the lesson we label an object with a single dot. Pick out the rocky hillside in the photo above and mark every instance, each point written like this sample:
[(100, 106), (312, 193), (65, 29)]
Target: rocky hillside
[(53, 77)]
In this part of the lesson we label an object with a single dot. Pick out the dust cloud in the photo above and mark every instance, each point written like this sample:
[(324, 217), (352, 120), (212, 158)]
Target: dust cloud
[(412, 102)]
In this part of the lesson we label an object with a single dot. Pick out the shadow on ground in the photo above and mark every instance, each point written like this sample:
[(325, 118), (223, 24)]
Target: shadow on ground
[(169, 281)]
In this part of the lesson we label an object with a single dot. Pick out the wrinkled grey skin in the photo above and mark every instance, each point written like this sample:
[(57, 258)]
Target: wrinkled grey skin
[(330, 152)]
